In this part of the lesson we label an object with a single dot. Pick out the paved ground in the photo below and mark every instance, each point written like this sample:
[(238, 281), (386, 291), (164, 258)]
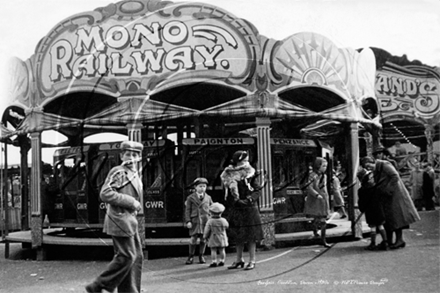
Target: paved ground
[(345, 267)]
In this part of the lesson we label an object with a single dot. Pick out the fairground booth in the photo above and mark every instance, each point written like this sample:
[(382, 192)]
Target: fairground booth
[(408, 93), (193, 83)]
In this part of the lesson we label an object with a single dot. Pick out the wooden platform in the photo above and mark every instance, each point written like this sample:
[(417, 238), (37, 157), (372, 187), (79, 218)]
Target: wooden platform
[(50, 237), (25, 237), (58, 237), (342, 228)]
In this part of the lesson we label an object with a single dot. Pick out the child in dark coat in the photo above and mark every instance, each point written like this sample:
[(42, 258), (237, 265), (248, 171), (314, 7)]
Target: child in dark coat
[(370, 205), (196, 216)]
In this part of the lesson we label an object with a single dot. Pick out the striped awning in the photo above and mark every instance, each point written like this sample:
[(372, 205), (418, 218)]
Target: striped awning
[(144, 110)]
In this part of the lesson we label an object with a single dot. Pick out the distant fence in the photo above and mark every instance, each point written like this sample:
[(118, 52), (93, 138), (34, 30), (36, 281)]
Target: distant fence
[(14, 219)]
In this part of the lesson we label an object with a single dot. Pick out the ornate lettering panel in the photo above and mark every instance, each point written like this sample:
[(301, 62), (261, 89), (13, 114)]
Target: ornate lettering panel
[(137, 45)]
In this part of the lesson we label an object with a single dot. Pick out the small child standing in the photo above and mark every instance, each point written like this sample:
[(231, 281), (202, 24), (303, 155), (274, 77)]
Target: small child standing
[(196, 215), (370, 205), (215, 233)]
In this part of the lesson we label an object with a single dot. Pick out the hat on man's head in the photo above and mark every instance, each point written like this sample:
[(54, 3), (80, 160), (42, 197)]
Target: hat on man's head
[(366, 160), (132, 146), (200, 180), (379, 149), (239, 156), (217, 208)]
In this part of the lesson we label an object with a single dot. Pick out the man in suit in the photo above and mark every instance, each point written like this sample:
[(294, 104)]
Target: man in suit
[(121, 193)]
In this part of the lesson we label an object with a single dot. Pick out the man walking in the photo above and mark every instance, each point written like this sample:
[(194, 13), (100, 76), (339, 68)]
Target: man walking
[(121, 192)]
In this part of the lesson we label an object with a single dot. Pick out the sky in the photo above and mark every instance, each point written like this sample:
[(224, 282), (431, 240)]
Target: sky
[(410, 27)]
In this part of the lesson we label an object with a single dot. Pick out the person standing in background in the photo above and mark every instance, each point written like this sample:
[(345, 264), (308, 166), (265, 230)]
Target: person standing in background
[(338, 200), (400, 149), (317, 199), (416, 183), (341, 173), (428, 187)]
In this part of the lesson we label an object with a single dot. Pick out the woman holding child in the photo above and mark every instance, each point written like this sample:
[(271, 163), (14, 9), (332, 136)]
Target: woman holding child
[(242, 192)]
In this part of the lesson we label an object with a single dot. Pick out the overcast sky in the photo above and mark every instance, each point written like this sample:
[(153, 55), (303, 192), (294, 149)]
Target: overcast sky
[(410, 27)]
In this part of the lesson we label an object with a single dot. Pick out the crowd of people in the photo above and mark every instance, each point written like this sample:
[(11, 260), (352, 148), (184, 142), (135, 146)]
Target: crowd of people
[(383, 197), (242, 184)]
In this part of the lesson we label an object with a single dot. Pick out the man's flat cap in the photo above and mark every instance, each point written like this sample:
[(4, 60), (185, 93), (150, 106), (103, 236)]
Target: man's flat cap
[(132, 146)]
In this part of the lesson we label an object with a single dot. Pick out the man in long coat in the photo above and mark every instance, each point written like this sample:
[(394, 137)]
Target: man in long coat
[(397, 204), (121, 192)]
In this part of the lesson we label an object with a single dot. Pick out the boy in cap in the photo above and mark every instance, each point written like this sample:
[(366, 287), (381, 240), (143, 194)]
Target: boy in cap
[(121, 193), (196, 215), (215, 233)]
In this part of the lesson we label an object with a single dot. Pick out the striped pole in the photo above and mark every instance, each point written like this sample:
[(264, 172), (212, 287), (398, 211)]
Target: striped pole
[(265, 164), (35, 195), (264, 161)]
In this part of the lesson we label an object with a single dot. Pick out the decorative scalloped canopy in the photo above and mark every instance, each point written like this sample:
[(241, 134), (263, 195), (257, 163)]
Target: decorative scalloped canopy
[(139, 47), (165, 54)]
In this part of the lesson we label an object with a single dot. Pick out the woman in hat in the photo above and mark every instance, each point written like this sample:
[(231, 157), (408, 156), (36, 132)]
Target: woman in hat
[(242, 192), (398, 207), (196, 215), (215, 234)]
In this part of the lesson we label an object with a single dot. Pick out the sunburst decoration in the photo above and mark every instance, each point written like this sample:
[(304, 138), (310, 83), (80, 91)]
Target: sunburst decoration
[(309, 58), (314, 77)]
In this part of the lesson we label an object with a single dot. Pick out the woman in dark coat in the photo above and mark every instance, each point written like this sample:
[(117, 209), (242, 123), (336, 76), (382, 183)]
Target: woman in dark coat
[(397, 204), (242, 193)]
